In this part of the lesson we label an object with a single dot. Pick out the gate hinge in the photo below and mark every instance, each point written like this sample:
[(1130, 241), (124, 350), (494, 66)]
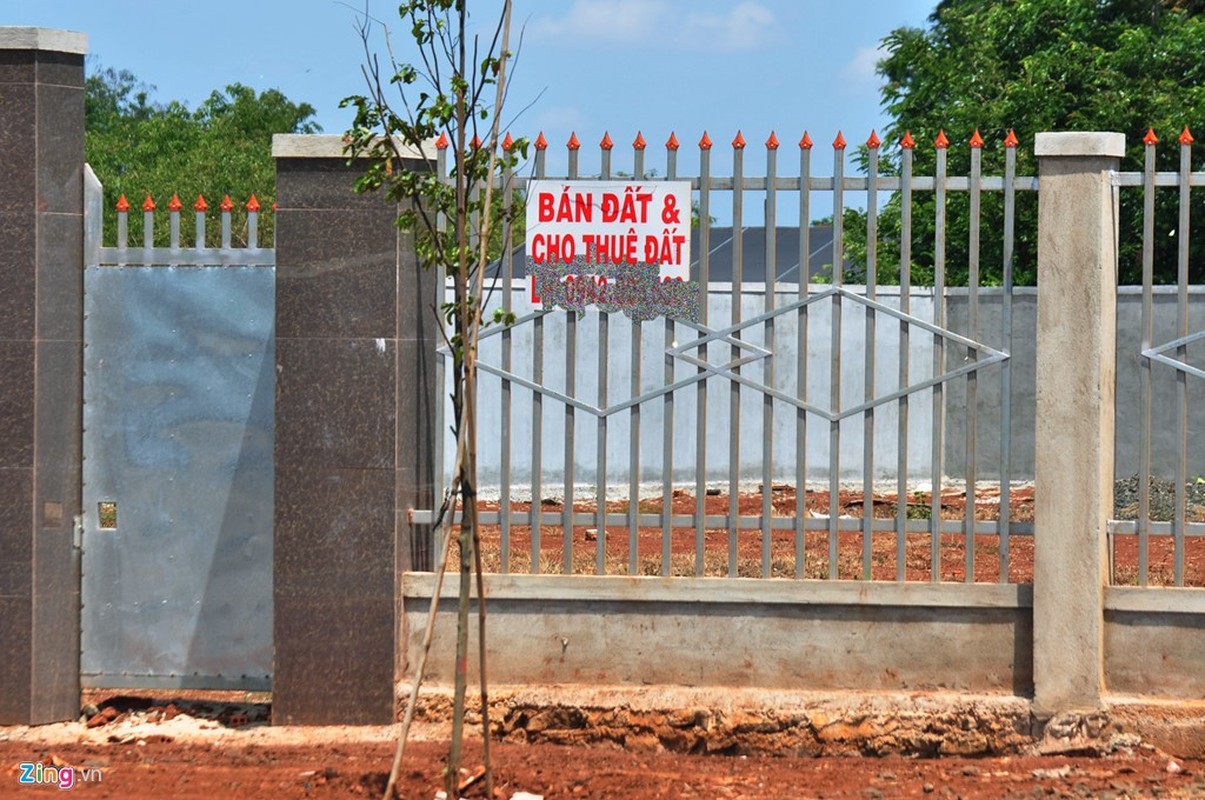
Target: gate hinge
[(77, 535)]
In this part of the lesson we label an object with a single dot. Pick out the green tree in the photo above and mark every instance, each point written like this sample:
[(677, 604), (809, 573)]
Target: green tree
[(139, 147), (1032, 66)]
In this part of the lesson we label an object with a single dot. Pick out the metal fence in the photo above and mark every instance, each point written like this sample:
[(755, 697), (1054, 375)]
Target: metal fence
[(661, 524), (1164, 356)]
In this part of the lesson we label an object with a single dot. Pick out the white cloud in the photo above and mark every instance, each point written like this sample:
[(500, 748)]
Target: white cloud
[(619, 21), (860, 70), (744, 26)]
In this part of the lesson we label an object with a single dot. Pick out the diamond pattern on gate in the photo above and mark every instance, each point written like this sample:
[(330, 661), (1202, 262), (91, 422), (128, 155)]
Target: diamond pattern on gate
[(986, 356), (1157, 354)]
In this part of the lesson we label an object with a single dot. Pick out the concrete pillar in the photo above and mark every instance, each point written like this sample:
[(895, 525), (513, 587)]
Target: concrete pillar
[(1076, 341), (355, 350), (41, 359)]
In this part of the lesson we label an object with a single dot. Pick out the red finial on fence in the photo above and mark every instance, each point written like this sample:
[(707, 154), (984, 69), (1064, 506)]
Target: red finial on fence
[(941, 142), (442, 142), (148, 204), (174, 204), (508, 142), (839, 142), (738, 143), (541, 142), (805, 143), (253, 204), (476, 143), (606, 143), (873, 142), (1011, 139), (123, 205), (907, 142), (672, 142), (273, 206), (705, 142), (574, 144), (200, 206), (227, 205), (772, 142), (639, 143), (1186, 136), (1150, 138), (976, 140)]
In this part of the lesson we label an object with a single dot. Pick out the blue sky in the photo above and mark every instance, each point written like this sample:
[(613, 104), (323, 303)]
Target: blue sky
[(589, 66)]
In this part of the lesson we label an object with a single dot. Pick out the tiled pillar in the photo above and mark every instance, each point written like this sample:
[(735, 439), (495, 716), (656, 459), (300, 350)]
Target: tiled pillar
[(41, 353), (1073, 461), (41, 356), (355, 349)]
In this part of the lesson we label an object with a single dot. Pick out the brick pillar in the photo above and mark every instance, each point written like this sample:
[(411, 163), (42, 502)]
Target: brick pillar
[(1073, 461), (355, 350), (41, 358)]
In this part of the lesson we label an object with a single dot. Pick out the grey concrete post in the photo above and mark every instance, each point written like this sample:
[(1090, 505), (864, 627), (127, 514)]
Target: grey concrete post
[(41, 369), (1076, 342), (355, 350)]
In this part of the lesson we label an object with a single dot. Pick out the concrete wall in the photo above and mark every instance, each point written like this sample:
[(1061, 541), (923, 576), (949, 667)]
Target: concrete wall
[(1164, 443), (753, 437), (990, 391), (741, 632)]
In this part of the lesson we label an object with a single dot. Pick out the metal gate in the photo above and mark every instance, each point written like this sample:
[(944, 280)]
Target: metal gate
[(178, 470)]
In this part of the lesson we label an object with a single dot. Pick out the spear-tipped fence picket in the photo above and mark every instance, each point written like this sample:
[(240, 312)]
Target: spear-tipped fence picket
[(177, 253)]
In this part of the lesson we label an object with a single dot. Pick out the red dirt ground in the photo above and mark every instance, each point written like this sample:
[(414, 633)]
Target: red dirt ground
[(350, 769)]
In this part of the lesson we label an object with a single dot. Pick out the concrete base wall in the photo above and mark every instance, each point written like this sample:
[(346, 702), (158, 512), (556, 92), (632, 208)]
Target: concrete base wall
[(1155, 642), (739, 633)]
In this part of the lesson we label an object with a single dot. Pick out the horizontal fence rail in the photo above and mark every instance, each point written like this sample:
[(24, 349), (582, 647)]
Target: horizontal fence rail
[(774, 346)]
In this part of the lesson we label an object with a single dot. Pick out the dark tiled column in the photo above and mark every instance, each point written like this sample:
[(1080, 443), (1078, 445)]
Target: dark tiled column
[(355, 353), (41, 356)]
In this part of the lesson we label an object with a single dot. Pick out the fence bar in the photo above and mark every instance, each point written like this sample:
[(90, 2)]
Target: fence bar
[(634, 417), (441, 297), (148, 223), (801, 366), (872, 235), (771, 232), (604, 348), (834, 426), (1182, 241), (537, 401), (667, 425), (1145, 364), (939, 320), (901, 462), (252, 223), (701, 391), (1006, 368), (972, 379), (200, 207), (508, 276), (226, 207), (173, 223), (571, 391), (734, 390)]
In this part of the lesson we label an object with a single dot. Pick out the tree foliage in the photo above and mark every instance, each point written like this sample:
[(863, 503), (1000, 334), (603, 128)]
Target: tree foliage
[(1032, 66), (140, 147)]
